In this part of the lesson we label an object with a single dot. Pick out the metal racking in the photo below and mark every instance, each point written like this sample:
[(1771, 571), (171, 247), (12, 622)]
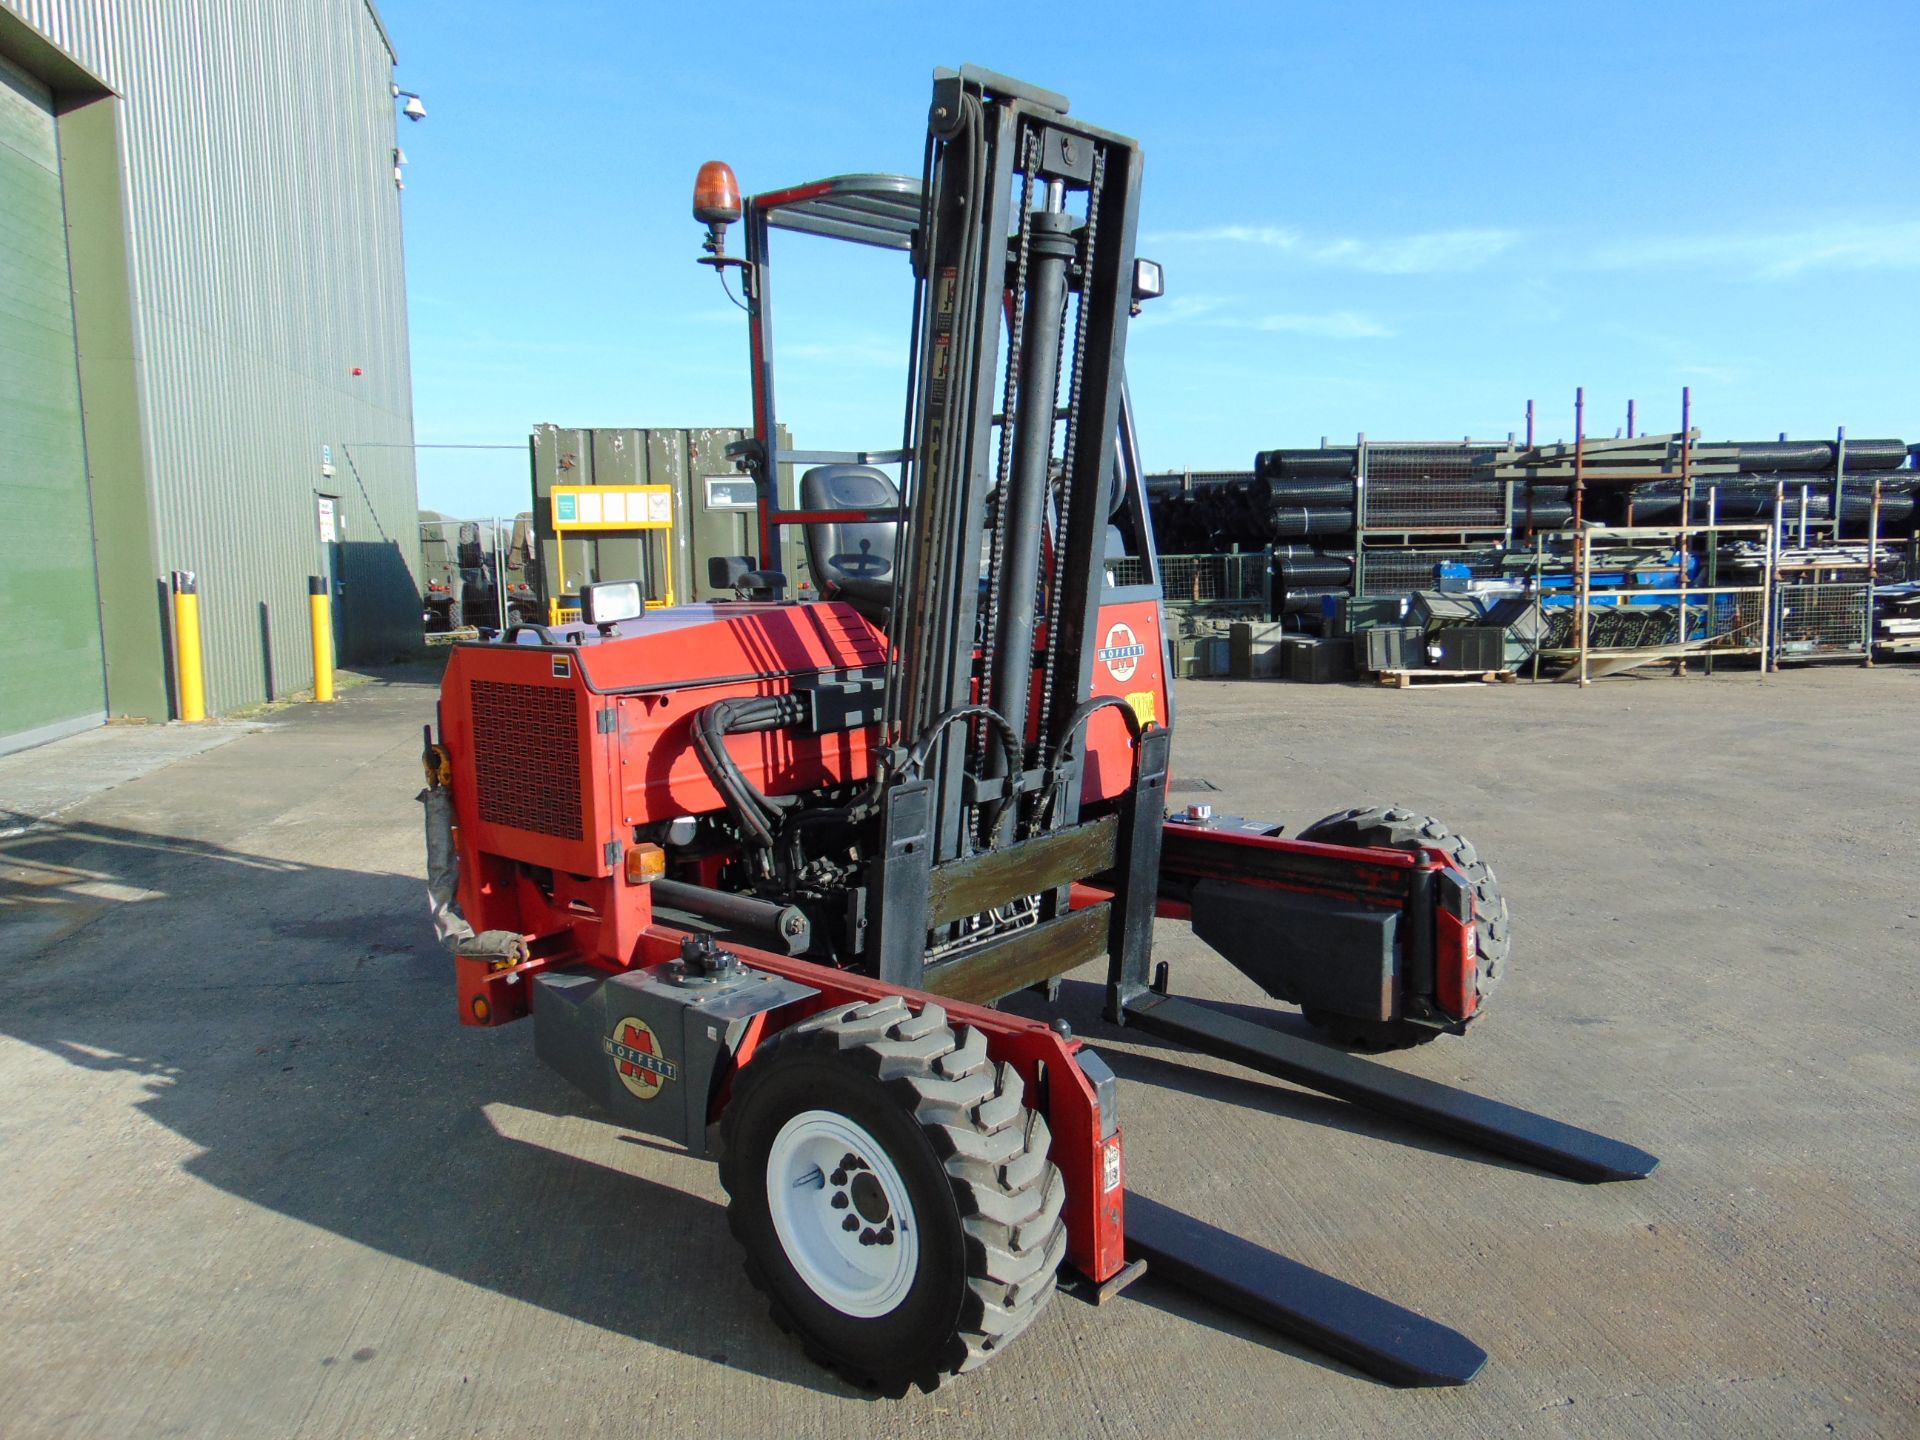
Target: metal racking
[(1734, 620)]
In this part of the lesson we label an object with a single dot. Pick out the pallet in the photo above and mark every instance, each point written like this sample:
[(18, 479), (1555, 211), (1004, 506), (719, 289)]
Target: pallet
[(1404, 679)]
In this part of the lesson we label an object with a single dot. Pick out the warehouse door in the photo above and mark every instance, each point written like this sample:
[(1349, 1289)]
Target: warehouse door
[(51, 669)]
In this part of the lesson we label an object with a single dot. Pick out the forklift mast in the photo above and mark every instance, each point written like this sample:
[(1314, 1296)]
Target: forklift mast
[(1022, 225), (1005, 161), (1027, 216)]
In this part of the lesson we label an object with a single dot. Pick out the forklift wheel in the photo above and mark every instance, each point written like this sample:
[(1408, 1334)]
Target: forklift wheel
[(892, 1192), (1390, 827)]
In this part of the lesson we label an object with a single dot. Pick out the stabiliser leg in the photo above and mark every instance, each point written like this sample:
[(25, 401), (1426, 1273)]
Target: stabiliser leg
[(1503, 1129), (1372, 1335)]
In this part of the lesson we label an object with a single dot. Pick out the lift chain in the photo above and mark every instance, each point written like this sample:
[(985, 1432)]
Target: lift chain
[(1029, 162), (1063, 519)]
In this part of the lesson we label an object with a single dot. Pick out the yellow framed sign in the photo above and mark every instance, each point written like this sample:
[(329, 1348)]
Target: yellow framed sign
[(612, 507), (600, 508)]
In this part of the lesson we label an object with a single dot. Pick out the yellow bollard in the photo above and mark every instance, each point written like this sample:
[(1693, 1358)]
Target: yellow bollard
[(320, 608), (186, 647)]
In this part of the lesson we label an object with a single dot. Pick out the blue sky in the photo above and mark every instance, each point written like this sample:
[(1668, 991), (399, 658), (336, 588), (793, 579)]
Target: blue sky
[(1398, 218)]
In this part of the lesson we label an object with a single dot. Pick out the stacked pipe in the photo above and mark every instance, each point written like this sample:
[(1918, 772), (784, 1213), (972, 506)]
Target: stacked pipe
[(1177, 527), (1542, 507), (1543, 475), (1640, 480), (1223, 510), (1309, 492), (1300, 505), (1795, 479), (1311, 510)]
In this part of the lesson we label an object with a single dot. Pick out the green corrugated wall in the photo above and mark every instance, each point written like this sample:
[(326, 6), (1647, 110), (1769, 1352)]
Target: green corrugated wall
[(240, 300)]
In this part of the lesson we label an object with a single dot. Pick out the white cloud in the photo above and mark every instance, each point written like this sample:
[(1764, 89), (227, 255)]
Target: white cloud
[(1336, 325), (1779, 256), (1217, 313), (1427, 253), (1177, 309), (1776, 255), (1274, 237), (1220, 313)]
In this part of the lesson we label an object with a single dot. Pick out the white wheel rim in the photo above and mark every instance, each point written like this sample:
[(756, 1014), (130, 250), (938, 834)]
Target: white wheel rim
[(820, 1157)]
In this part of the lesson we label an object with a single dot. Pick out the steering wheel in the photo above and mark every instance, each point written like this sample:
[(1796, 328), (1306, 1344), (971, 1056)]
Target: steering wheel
[(862, 566)]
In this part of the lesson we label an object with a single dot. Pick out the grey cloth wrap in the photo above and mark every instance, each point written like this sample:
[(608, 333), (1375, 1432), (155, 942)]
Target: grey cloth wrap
[(443, 881)]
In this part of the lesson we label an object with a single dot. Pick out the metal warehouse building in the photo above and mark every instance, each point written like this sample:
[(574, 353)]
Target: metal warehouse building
[(203, 350)]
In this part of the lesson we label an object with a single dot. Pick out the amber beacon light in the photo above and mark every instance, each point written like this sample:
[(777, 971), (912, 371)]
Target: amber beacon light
[(716, 204)]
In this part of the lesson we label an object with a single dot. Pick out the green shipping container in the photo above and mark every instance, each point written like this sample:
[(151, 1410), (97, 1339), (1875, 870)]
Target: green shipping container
[(714, 510)]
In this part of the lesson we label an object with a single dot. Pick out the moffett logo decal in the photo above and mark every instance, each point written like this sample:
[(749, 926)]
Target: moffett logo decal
[(637, 1058), (1121, 654)]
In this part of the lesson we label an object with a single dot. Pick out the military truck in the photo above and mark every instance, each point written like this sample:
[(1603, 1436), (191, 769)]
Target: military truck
[(463, 566)]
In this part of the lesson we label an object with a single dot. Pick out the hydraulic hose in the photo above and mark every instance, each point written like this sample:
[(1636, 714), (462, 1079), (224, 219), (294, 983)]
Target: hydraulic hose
[(1086, 711), (1009, 745), (755, 813)]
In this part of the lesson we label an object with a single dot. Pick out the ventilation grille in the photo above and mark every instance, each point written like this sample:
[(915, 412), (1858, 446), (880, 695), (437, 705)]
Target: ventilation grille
[(527, 756)]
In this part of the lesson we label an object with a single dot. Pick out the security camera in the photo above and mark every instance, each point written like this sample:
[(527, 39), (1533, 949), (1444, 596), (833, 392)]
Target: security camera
[(413, 109)]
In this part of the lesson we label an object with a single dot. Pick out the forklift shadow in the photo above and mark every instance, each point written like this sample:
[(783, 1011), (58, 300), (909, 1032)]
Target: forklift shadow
[(296, 1024), (1082, 1002)]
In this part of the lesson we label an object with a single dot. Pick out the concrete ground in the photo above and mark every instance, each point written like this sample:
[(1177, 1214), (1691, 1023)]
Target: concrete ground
[(255, 1181), (42, 783)]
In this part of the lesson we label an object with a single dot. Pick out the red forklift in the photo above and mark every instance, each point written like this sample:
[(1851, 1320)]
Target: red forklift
[(762, 871)]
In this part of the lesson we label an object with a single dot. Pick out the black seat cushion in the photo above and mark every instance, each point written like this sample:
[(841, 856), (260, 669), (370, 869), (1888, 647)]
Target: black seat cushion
[(855, 559)]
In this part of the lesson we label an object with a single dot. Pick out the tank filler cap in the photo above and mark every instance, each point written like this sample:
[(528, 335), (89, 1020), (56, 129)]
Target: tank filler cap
[(703, 962)]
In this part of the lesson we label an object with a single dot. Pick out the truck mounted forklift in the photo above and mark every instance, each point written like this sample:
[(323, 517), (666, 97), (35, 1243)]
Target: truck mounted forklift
[(762, 871)]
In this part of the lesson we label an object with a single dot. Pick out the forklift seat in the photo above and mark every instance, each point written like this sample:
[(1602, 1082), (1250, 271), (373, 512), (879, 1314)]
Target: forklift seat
[(852, 560)]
